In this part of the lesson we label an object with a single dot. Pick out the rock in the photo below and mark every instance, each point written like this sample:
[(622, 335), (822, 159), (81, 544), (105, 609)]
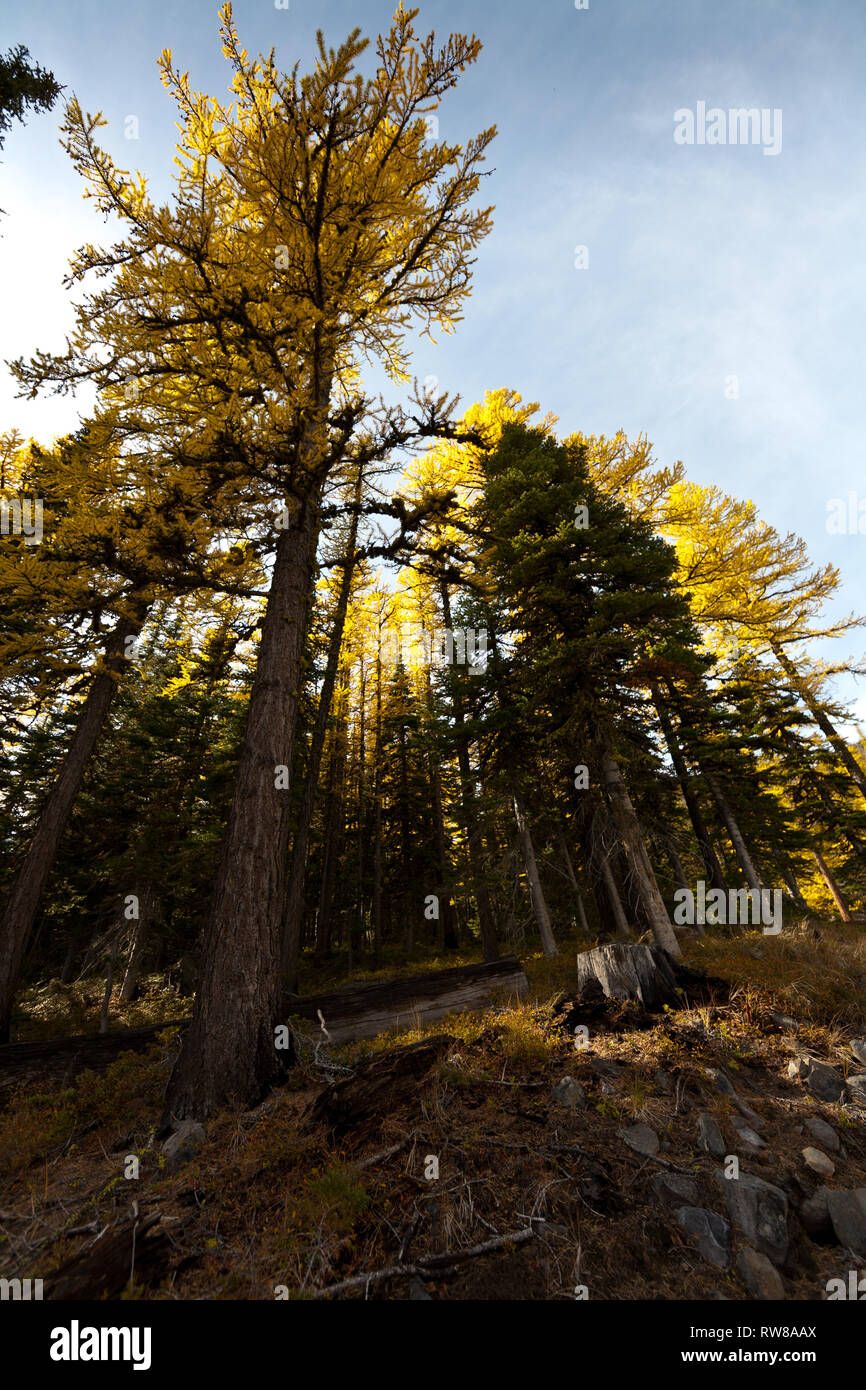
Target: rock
[(417, 1291), (858, 1050), (180, 1146), (748, 1137), (818, 1077), (848, 1215), (759, 1276), (819, 1163), (783, 1021), (723, 1084), (674, 1189), (664, 1083), (602, 1067), (640, 1138), (711, 1232), (710, 1137), (569, 1093), (760, 1210), (815, 1215), (824, 1133), (857, 1088)]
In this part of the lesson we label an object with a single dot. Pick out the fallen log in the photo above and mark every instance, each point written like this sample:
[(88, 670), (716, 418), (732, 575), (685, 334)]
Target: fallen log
[(60, 1059), (376, 1086), (363, 1010), (426, 1268), (353, 1012), (105, 1267)]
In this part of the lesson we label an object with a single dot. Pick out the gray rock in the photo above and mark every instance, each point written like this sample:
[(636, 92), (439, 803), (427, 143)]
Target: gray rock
[(664, 1083), (747, 1137), (824, 1133), (640, 1138), (417, 1291), (569, 1093), (818, 1077), (180, 1146), (819, 1162), (783, 1021), (857, 1088), (602, 1067), (858, 1050), (674, 1189), (759, 1276), (710, 1137), (711, 1232), (848, 1215), (760, 1210), (723, 1084), (815, 1215)]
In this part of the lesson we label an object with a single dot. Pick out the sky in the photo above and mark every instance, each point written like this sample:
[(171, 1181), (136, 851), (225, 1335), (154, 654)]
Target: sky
[(709, 295)]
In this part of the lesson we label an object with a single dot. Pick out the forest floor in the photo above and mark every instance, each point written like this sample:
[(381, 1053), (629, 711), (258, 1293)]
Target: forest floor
[(271, 1205)]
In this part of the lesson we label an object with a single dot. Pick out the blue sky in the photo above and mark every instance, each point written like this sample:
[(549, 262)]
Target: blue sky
[(706, 262)]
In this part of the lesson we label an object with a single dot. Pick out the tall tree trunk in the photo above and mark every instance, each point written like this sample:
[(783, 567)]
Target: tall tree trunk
[(228, 1050), (623, 930), (744, 859), (486, 925), (591, 821), (572, 878), (711, 864), (146, 906), (835, 890), (447, 935), (825, 724), (25, 895), (294, 907), (675, 862), (536, 893), (633, 842), (376, 904), (789, 879), (362, 793), (333, 836)]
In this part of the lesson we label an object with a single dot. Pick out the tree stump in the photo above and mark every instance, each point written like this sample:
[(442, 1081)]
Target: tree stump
[(627, 971)]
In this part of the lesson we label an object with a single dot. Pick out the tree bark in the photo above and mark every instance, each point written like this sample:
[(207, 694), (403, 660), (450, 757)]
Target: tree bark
[(835, 890), (708, 855), (139, 941), (25, 895), (294, 908), (486, 925), (744, 859), (228, 1051), (633, 842), (572, 878), (536, 893)]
